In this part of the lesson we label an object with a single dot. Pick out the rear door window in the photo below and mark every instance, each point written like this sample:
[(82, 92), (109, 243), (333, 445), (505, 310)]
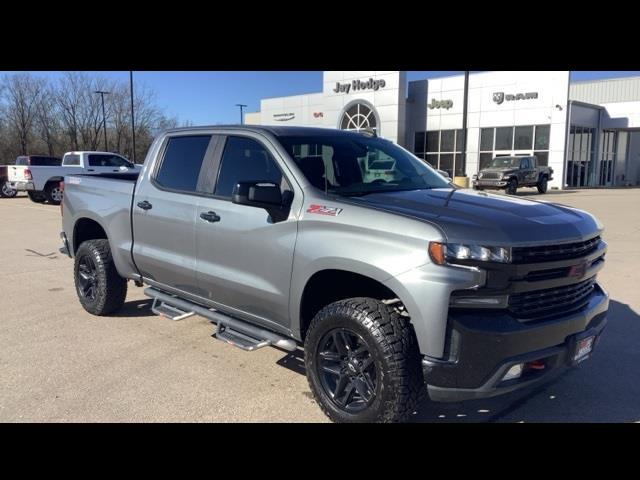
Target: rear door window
[(45, 162), (71, 160), (182, 162)]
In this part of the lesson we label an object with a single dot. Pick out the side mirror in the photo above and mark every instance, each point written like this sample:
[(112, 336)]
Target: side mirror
[(265, 195)]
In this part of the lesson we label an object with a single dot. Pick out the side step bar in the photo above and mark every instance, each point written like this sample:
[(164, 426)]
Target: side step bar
[(231, 330)]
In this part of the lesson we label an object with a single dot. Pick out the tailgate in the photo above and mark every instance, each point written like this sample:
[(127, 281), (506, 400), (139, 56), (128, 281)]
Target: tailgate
[(15, 173)]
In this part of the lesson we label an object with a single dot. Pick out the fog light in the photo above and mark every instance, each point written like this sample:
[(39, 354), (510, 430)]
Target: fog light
[(513, 372)]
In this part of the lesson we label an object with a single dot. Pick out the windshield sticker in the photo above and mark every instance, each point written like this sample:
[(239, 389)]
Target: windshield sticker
[(323, 210)]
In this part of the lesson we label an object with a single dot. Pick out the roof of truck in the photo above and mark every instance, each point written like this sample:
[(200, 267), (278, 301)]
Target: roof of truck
[(273, 129)]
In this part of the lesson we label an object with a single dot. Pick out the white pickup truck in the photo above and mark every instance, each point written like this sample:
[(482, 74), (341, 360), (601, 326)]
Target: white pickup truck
[(42, 183)]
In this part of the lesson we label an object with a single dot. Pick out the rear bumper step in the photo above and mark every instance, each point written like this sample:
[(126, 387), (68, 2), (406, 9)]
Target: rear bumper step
[(230, 329)]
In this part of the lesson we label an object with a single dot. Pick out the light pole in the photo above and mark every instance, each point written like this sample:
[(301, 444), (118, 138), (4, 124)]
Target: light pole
[(241, 107), (133, 122), (104, 118)]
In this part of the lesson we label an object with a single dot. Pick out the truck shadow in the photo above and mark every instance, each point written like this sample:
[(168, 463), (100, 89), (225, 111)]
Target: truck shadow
[(136, 308), (602, 389)]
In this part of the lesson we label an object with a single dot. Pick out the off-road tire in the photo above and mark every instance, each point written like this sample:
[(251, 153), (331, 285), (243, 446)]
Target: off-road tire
[(542, 184), (110, 288), (36, 197), (512, 187), (50, 191), (393, 347)]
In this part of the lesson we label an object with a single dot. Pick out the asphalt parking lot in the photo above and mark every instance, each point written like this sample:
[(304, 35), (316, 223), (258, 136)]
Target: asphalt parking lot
[(60, 364)]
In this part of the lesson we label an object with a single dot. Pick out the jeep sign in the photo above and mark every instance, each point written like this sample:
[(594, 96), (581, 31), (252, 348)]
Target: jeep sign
[(440, 104)]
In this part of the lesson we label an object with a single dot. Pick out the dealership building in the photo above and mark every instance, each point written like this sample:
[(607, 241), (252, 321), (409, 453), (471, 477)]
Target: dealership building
[(588, 132)]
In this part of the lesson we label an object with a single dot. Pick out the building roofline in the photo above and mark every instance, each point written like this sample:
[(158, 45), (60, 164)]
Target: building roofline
[(586, 104), (601, 80)]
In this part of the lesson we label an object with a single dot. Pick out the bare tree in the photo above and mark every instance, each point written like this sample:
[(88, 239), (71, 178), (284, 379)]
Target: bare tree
[(22, 93)]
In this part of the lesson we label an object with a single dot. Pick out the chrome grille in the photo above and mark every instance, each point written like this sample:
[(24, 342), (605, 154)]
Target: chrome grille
[(550, 253), (548, 301), (491, 175)]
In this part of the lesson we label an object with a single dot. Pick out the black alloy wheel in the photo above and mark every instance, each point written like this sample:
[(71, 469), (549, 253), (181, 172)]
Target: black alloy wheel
[(347, 370)]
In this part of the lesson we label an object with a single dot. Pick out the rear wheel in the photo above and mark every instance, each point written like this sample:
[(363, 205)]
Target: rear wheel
[(101, 290), (363, 363), (53, 193), (542, 185), (512, 187), (7, 191), (37, 197)]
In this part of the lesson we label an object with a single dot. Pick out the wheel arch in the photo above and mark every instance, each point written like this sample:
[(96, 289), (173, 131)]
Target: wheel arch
[(332, 284), (85, 228)]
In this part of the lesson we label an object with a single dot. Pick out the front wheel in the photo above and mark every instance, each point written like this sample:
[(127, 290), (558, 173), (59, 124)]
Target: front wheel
[(363, 363), (7, 191), (542, 185), (101, 290), (512, 187)]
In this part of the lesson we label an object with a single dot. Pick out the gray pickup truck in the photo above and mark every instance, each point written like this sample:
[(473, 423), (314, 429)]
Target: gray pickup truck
[(390, 284), (509, 173)]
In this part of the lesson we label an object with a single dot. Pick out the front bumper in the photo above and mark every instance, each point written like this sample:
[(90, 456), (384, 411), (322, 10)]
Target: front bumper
[(483, 347), (484, 183), (22, 186)]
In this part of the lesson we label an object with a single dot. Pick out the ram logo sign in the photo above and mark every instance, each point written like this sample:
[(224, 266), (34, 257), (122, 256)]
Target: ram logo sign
[(500, 97)]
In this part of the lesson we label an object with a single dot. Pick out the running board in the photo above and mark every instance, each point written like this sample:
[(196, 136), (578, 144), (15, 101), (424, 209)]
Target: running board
[(230, 329), (167, 311)]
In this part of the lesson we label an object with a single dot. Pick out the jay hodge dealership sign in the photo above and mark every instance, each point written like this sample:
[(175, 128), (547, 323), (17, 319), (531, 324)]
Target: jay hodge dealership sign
[(358, 85)]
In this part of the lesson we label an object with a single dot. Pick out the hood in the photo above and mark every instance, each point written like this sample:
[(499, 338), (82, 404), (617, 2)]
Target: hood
[(478, 217)]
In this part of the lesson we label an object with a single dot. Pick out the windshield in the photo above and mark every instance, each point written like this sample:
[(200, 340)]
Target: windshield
[(505, 162), (353, 165)]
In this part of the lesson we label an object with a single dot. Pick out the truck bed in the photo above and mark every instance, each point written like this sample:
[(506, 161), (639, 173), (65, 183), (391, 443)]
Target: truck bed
[(106, 199)]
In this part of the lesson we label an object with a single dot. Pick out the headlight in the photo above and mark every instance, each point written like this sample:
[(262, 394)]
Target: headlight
[(451, 252)]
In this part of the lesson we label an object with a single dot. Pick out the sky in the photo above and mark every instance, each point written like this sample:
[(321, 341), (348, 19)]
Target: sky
[(206, 98)]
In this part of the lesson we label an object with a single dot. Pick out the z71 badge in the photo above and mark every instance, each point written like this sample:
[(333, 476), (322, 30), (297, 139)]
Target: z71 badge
[(323, 210)]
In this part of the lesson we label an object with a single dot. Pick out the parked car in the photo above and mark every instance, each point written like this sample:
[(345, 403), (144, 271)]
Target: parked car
[(5, 188), (41, 180), (510, 173), (387, 286)]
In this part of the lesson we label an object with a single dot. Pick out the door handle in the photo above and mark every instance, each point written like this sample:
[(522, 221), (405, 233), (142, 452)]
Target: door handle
[(144, 205), (210, 217), (90, 170)]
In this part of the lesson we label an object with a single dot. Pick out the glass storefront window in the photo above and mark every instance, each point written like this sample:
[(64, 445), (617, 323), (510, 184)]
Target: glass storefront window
[(432, 159), (543, 158), (486, 139), (433, 141), (459, 140), (542, 137), (485, 159), (504, 138), (418, 146), (447, 141), (446, 163), (523, 138)]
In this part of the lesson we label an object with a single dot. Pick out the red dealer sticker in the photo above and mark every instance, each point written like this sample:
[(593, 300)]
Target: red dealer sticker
[(322, 210)]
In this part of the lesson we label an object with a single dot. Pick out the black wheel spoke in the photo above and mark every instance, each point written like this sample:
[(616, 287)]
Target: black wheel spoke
[(366, 363), (333, 370), (343, 381), (330, 356), (338, 340), (367, 380), (87, 278), (362, 389)]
